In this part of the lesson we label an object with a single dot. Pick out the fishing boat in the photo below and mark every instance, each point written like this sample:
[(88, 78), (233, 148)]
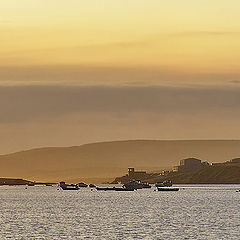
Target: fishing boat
[(146, 185), (167, 189), (167, 183), (113, 189), (31, 184), (48, 184), (123, 189), (82, 184), (65, 186), (134, 184), (92, 185)]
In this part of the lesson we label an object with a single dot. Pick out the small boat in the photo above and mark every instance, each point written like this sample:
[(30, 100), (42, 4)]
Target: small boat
[(167, 189), (167, 183), (92, 186), (113, 189), (123, 189), (48, 184), (134, 184), (31, 184), (82, 184), (146, 185), (65, 186), (105, 189)]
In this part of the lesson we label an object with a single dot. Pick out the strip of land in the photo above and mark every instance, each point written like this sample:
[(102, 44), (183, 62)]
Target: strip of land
[(102, 162), (222, 173)]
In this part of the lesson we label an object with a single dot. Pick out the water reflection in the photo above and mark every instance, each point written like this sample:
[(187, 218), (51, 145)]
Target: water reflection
[(195, 212)]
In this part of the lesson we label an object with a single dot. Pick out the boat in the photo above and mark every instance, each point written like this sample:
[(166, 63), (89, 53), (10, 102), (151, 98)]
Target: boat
[(122, 189), (134, 184), (82, 184), (167, 189), (146, 185), (92, 186), (166, 183), (48, 184), (105, 189), (65, 186), (31, 184)]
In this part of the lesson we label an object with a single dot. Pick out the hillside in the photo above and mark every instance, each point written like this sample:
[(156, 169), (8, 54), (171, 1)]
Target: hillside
[(102, 161), (12, 181), (219, 174)]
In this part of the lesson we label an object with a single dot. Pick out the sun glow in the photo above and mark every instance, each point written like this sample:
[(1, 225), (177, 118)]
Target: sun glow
[(191, 36)]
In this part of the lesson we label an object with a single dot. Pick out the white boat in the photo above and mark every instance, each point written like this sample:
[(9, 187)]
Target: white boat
[(65, 186), (166, 183), (82, 184), (134, 184)]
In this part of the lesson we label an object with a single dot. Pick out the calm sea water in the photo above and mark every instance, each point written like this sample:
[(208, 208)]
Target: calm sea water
[(195, 212)]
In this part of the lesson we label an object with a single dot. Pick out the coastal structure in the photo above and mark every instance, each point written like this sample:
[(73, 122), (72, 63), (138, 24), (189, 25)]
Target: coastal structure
[(135, 175), (132, 174), (190, 171), (188, 165), (235, 160)]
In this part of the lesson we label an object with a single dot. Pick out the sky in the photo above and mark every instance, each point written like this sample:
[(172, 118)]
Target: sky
[(74, 72)]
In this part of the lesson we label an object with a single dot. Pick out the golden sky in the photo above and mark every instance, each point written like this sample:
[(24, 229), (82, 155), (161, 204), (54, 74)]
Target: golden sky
[(73, 71), (181, 36)]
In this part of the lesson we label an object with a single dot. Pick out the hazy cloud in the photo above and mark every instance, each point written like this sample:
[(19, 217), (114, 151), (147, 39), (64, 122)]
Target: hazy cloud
[(235, 81), (96, 75), (35, 116), (24, 103), (205, 33), (5, 21)]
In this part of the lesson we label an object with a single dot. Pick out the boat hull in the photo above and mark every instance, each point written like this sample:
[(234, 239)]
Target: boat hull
[(114, 189), (65, 186), (165, 189), (166, 183), (70, 188)]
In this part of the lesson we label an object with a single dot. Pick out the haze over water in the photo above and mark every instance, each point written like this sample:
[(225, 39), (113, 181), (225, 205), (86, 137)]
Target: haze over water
[(195, 212), (76, 72)]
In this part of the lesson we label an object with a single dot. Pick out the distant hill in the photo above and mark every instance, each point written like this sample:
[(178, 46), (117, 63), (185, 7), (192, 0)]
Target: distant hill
[(104, 161), (12, 181)]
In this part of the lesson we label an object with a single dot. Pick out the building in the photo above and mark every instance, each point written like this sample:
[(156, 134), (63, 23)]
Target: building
[(132, 174), (188, 165), (235, 160)]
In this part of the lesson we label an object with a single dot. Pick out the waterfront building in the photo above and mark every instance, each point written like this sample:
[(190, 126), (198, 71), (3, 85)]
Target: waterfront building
[(235, 160), (188, 165), (132, 174)]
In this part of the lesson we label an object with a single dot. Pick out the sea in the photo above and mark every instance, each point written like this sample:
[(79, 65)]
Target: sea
[(47, 212)]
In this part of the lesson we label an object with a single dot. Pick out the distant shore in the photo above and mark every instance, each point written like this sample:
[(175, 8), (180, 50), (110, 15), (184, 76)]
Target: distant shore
[(222, 173), (19, 181)]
